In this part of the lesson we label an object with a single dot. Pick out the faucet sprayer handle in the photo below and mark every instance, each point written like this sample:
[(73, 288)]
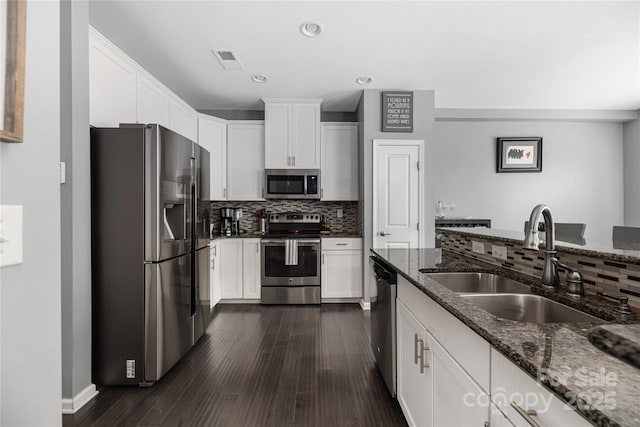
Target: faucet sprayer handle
[(575, 287)]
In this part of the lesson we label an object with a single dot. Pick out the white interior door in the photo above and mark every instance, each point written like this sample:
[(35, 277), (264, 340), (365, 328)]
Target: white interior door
[(397, 194)]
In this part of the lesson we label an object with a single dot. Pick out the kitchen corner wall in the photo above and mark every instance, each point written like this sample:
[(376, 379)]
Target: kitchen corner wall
[(350, 223), (369, 114)]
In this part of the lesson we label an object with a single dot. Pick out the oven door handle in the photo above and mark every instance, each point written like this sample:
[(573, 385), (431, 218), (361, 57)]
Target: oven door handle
[(300, 242)]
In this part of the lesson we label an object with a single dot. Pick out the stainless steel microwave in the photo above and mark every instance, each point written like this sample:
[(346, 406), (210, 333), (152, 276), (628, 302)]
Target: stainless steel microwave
[(292, 184)]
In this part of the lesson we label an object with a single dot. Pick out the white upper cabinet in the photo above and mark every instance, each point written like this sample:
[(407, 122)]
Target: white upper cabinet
[(154, 102), (120, 91), (292, 133), (183, 119), (245, 160), (212, 135), (112, 84), (339, 159)]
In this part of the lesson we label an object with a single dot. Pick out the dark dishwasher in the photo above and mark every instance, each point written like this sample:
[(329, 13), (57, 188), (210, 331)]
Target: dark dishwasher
[(383, 322)]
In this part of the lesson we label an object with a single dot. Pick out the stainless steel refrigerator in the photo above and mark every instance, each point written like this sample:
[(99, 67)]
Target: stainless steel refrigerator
[(150, 295)]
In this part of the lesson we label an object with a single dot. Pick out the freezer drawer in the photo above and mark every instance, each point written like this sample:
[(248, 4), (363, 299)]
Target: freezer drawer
[(169, 328)]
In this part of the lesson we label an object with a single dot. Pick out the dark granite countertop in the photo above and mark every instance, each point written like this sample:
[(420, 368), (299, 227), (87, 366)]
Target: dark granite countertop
[(242, 236), (558, 355), (345, 235), (621, 341)]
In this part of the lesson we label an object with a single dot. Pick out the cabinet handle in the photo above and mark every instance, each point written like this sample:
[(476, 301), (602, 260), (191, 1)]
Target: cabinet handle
[(258, 248), (341, 244), (415, 348), (294, 160), (322, 193), (423, 356), (288, 160), (224, 193), (526, 414), (323, 259)]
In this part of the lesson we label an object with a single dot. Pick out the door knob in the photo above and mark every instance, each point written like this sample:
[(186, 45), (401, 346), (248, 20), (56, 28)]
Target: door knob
[(382, 233)]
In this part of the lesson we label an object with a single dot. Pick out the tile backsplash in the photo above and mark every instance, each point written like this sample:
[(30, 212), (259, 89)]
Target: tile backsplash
[(598, 274), (350, 223)]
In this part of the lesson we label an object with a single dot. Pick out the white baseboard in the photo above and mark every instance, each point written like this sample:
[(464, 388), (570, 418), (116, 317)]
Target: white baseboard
[(365, 305), (71, 406)]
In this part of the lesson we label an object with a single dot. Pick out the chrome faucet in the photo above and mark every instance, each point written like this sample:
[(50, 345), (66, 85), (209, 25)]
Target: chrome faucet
[(532, 242)]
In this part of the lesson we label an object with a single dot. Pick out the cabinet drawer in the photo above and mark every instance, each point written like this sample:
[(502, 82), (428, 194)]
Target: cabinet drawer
[(509, 383), (341, 243), (469, 349)]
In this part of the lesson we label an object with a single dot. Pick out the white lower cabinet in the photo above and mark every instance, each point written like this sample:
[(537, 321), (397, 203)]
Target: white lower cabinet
[(414, 388), (240, 268), (231, 268), (457, 399), (434, 388), (522, 400), (215, 278), (251, 268), (341, 269)]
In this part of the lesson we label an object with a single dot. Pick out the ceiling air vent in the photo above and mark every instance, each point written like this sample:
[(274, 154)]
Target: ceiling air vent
[(228, 59)]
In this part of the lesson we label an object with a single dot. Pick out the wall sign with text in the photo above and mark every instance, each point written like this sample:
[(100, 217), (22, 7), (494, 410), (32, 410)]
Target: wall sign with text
[(397, 111)]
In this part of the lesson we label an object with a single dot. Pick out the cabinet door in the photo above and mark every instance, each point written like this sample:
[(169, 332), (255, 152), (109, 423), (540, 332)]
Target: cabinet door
[(277, 119), (457, 400), (341, 275), (212, 135), (231, 268), (245, 151), (415, 394), (339, 160), (512, 386), (153, 102), (183, 120), (305, 136), (251, 268), (112, 84), (215, 278)]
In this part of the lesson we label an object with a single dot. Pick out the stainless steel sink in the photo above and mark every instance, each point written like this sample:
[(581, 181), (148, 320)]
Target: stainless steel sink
[(485, 283), (528, 308)]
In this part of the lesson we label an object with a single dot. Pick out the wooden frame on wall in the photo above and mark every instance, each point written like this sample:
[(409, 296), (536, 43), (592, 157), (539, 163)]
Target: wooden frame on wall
[(12, 68), (519, 154)]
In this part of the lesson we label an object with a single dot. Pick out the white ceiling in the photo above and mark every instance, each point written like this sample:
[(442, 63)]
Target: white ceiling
[(506, 54)]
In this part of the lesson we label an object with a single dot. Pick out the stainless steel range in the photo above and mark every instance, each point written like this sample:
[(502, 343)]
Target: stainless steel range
[(291, 259)]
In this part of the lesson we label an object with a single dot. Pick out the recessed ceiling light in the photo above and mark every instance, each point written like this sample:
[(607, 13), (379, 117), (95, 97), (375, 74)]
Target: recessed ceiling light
[(310, 29), (364, 80), (259, 78)]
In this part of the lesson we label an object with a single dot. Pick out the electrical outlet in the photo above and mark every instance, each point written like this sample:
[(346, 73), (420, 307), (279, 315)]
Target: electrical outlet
[(339, 213), (499, 252), (477, 247)]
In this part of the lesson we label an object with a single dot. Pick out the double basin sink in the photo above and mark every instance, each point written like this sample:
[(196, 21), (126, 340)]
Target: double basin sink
[(509, 299)]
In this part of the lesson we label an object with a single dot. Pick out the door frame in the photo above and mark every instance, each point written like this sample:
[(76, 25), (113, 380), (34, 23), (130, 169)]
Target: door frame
[(377, 143)]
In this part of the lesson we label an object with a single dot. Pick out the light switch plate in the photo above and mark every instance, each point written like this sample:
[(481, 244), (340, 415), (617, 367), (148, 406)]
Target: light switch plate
[(477, 247), (10, 235), (499, 252), (339, 213)]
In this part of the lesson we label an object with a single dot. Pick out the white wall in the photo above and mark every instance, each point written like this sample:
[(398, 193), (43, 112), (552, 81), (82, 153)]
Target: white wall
[(30, 292), (581, 178), (369, 114), (632, 173)]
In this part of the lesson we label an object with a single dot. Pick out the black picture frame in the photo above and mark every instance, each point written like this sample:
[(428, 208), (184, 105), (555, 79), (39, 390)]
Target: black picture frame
[(518, 154)]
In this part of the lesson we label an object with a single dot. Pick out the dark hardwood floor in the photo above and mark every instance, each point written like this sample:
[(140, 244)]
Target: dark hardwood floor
[(262, 366)]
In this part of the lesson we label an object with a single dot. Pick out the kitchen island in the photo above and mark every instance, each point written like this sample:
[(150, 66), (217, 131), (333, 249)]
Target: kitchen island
[(601, 388)]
